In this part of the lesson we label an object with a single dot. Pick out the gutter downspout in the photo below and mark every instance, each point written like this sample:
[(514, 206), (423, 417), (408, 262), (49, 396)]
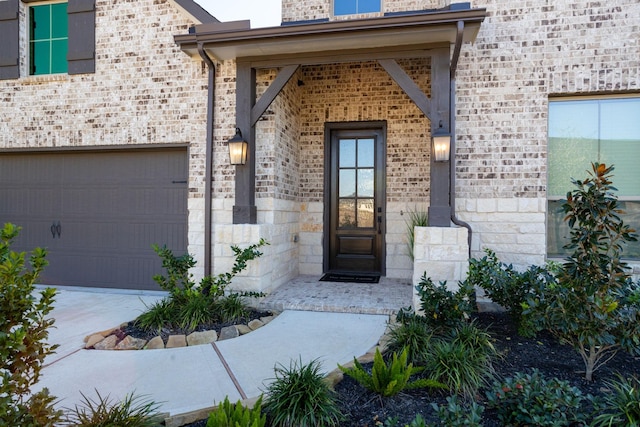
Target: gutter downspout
[(452, 127), (208, 173)]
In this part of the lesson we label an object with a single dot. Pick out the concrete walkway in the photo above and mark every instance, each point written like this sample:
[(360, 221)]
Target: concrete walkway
[(190, 378)]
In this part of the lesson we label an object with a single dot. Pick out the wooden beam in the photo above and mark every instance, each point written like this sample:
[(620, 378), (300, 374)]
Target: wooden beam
[(272, 91), (408, 85)]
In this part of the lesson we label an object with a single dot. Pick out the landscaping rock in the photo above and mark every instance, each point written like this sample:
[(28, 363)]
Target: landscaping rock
[(255, 324), (104, 334), (176, 341), (228, 332), (93, 340), (109, 343), (199, 338), (131, 343), (267, 319), (243, 329), (155, 343)]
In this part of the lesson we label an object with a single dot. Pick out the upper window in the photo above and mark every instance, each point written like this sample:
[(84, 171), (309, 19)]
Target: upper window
[(603, 130), (350, 7), (48, 39)]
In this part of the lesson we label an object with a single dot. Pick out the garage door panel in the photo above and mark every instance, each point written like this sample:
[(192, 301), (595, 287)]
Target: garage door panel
[(111, 206)]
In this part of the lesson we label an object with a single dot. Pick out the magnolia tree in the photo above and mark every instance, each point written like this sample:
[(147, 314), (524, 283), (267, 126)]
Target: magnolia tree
[(593, 305)]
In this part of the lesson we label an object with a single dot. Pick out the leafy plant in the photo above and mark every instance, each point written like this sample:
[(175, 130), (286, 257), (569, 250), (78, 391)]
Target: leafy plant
[(453, 414), (300, 397), (443, 307), (588, 308), (228, 415), (23, 333), (132, 411), (416, 219), (530, 399), (622, 405), (190, 304), (389, 379), (412, 333), (462, 359)]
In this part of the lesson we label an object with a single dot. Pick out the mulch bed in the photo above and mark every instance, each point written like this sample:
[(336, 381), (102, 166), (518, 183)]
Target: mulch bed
[(363, 408)]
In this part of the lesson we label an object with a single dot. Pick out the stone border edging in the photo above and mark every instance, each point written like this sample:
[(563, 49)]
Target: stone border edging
[(109, 339), (332, 379)]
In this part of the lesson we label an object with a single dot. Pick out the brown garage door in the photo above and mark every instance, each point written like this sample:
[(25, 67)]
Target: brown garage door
[(97, 213)]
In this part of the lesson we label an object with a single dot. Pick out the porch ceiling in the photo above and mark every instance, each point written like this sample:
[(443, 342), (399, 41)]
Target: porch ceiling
[(331, 40)]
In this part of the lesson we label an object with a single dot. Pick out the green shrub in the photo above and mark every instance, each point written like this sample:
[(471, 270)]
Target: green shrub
[(589, 308), (132, 411), (300, 397), (620, 406), (389, 379), (453, 414), (530, 399), (413, 334), (416, 219), (23, 333), (462, 359), (443, 307), (190, 304), (228, 415)]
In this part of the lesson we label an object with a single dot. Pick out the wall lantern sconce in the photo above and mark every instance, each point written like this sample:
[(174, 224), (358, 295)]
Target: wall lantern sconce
[(441, 140), (237, 149)]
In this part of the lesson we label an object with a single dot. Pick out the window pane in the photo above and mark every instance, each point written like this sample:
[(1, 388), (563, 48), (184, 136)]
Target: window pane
[(344, 7), (365, 6), (365, 183), (40, 22), (347, 213), (347, 153), (40, 57), (347, 183), (59, 56), (620, 143), (59, 20), (573, 143), (365, 153), (365, 213)]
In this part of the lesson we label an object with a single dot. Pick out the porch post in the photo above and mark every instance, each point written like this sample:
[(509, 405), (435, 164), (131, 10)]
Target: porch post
[(244, 210), (440, 206)]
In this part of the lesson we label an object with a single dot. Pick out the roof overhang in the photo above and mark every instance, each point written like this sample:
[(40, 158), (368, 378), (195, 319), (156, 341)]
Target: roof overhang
[(406, 32)]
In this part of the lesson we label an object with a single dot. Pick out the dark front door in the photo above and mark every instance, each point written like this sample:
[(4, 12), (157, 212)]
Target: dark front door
[(355, 198)]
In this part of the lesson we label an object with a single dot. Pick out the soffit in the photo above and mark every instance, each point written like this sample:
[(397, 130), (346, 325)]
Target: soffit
[(235, 40)]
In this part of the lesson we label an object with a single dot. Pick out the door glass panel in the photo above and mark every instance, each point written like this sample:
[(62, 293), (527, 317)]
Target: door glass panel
[(365, 213), (365, 183), (347, 213), (365, 153), (347, 183), (347, 153)]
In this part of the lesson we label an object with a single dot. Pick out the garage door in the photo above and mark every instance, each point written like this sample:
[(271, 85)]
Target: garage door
[(97, 213)]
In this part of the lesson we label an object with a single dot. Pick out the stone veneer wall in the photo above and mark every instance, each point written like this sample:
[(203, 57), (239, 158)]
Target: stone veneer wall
[(525, 53), (145, 91)]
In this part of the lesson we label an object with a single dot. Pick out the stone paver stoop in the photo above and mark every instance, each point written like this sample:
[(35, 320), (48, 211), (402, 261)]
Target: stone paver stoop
[(114, 339)]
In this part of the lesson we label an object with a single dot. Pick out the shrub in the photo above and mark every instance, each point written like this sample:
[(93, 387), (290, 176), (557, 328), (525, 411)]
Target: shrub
[(462, 359), (389, 379), (416, 219), (228, 415), (300, 397), (132, 411), (530, 399), (413, 334), (588, 307), (622, 405), (23, 333), (504, 285), (190, 304), (453, 414), (443, 307)]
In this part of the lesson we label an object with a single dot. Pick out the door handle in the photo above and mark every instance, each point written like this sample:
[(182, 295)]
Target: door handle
[(379, 224), (56, 228)]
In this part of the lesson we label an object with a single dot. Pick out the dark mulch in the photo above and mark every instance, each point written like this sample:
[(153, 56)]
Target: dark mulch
[(132, 329), (363, 408)]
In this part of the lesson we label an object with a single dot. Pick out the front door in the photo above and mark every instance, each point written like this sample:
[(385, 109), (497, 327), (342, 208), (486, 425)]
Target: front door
[(355, 198)]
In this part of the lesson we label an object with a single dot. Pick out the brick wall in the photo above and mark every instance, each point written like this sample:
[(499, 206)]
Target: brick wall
[(305, 10)]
